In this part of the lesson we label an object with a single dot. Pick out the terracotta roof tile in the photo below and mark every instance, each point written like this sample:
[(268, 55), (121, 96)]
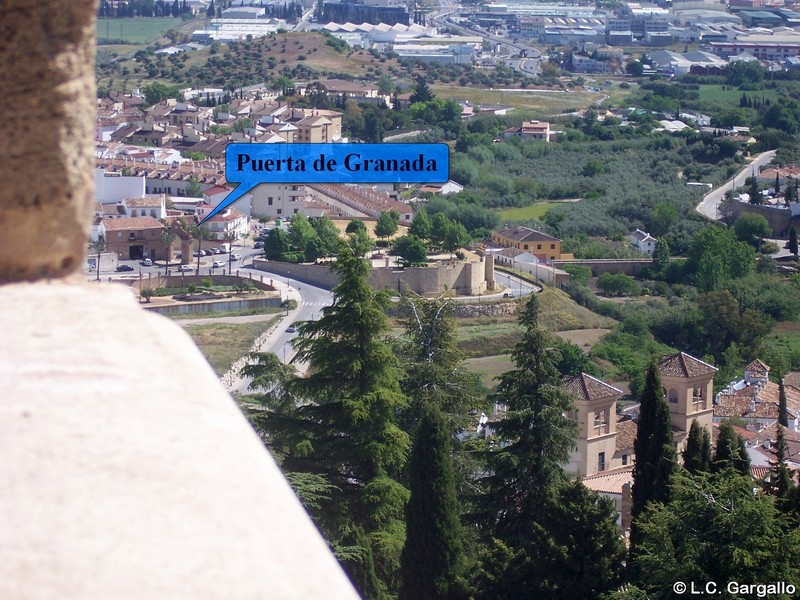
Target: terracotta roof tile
[(684, 365), (521, 233), (132, 223), (758, 366), (586, 387), (610, 482), (626, 435)]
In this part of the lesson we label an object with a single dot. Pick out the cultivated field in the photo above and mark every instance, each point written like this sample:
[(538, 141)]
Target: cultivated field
[(139, 30)]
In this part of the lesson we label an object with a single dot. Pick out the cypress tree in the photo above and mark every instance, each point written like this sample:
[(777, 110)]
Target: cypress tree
[(697, 455), (793, 247), (755, 196), (783, 412), (654, 447), (731, 451), (780, 478), (432, 559)]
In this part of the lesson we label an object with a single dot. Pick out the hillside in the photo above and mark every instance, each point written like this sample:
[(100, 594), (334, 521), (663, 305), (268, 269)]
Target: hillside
[(298, 55)]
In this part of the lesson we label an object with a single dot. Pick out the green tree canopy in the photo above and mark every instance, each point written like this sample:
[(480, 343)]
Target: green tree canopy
[(715, 256), (410, 249), (432, 563), (731, 452), (345, 426), (388, 224), (751, 228), (421, 225), (697, 454), (715, 529), (654, 447)]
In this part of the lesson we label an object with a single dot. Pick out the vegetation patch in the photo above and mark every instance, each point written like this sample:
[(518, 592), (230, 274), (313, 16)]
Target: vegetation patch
[(559, 312), (489, 368), (547, 101), (224, 343), (135, 31), (526, 213), (732, 96)]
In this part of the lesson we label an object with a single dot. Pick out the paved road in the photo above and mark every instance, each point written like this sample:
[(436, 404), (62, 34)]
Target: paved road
[(709, 207)]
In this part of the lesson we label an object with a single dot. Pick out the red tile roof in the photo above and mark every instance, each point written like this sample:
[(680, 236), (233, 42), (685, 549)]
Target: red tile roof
[(626, 435), (525, 234), (610, 482), (132, 223), (586, 387), (684, 365)]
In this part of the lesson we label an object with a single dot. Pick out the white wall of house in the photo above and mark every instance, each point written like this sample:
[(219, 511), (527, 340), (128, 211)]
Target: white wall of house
[(116, 188)]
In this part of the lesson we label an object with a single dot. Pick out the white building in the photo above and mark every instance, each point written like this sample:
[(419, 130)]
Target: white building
[(643, 241), (229, 221)]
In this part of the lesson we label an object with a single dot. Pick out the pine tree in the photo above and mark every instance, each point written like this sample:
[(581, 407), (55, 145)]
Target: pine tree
[(434, 369), (344, 426), (432, 560), (731, 451), (697, 455), (550, 537), (534, 436), (422, 93), (654, 446)]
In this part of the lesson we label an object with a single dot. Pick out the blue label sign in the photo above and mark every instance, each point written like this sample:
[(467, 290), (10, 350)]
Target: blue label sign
[(251, 164)]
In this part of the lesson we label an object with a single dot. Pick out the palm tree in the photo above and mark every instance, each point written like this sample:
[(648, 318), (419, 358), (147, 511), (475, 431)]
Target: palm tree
[(99, 246), (193, 189), (168, 236), (231, 237), (199, 233)]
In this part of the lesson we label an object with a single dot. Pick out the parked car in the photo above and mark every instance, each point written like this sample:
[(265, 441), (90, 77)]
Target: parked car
[(217, 263), (147, 262), (508, 295), (258, 245), (215, 251), (125, 268), (185, 268), (199, 253)]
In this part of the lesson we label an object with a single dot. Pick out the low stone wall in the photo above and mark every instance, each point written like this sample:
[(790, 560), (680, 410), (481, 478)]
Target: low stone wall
[(629, 266), (155, 282), (205, 307), (496, 309)]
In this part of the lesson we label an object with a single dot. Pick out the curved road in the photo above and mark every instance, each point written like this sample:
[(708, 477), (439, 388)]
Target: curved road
[(709, 206)]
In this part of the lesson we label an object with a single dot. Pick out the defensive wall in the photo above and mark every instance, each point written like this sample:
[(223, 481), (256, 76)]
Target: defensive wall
[(464, 278), (779, 219), (628, 266)]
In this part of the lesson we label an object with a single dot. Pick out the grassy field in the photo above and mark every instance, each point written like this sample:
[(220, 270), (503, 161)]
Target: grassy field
[(788, 331), (525, 213), (546, 102), (717, 95), (135, 31), (488, 368), (223, 343)]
